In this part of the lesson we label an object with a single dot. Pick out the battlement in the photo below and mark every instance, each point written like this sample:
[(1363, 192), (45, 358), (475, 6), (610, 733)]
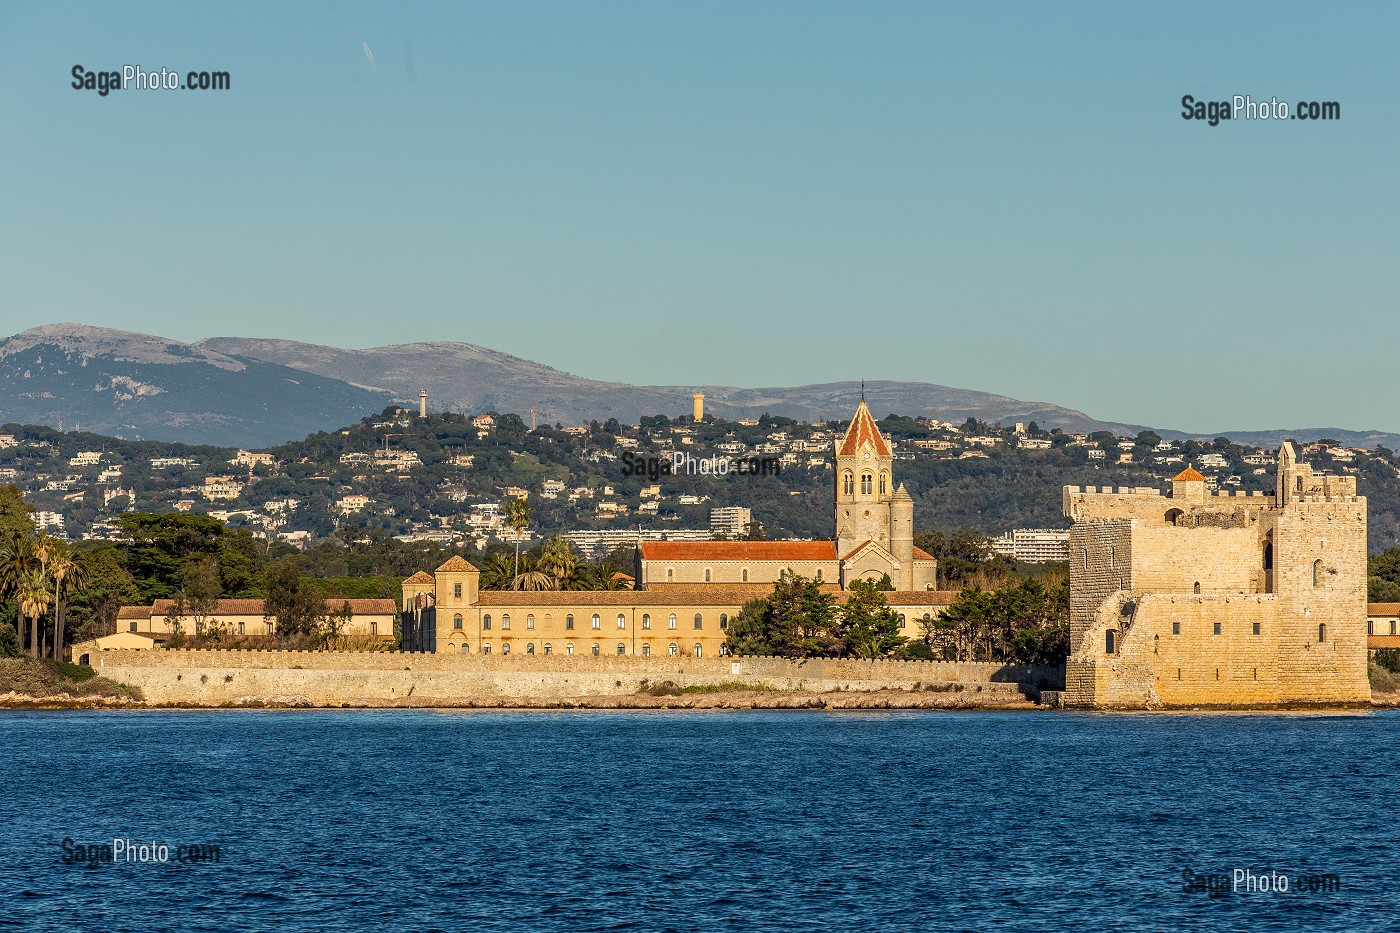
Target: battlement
[(1111, 491)]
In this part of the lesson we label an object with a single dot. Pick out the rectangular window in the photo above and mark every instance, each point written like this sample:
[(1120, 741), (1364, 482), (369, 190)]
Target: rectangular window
[(1256, 628), (1176, 628), (456, 591), (1217, 628)]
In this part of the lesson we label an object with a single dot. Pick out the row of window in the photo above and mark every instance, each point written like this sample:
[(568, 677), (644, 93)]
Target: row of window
[(848, 483), (671, 623), (1110, 641), (1371, 627), (673, 649)]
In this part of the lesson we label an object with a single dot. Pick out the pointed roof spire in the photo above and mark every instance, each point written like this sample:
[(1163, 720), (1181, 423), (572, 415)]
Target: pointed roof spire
[(862, 390), (863, 430)]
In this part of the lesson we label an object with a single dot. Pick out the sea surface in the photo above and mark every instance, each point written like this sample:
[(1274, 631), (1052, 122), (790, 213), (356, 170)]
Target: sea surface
[(691, 821)]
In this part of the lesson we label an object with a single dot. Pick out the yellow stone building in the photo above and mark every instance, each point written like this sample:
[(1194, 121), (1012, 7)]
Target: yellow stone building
[(688, 591), (1216, 599)]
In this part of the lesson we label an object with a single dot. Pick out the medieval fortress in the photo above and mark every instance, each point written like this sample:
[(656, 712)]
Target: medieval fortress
[(1184, 599), (1198, 599)]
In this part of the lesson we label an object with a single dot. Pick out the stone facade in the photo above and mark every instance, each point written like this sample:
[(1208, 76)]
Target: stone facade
[(1194, 599), (874, 524)]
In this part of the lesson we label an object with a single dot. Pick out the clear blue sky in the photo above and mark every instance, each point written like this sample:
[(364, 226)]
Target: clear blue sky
[(999, 196)]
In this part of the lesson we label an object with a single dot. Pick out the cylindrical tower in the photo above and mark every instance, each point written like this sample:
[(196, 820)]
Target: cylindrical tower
[(698, 411), (902, 537), (422, 403)]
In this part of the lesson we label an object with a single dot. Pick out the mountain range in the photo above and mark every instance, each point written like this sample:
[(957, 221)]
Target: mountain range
[(247, 392)]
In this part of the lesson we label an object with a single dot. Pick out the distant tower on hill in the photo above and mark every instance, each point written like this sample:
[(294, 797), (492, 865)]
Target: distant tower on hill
[(422, 403), (698, 411)]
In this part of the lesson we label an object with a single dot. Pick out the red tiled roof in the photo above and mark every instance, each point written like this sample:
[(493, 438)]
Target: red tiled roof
[(1188, 475), (863, 430), (420, 577), (921, 554), (454, 564), (738, 550), (1383, 609), (134, 612)]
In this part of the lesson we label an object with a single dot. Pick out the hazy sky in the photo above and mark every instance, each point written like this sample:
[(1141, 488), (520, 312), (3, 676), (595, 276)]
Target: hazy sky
[(998, 196)]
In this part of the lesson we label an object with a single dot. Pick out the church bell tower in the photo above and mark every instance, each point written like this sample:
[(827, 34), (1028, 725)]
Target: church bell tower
[(864, 484)]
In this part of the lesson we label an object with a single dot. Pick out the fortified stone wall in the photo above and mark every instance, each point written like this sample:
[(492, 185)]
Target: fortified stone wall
[(213, 677)]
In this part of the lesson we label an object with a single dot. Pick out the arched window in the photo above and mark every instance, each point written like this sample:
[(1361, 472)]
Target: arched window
[(723, 649), (1317, 572), (671, 621), (240, 628), (621, 620), (621, 649), (1300, 484), (744, 575), (697, 651), (669, 575), (1197, 589), (884, 482), (867, 483), (597, 620), (672, 649), (646, 651), (902, 620), (505, 649), (1110, 641), (724, 620), (530, 648), (466, 649), (848, 483), (646, 620), (457, 621), (486, 621), (85, 661), (1322, 632), (505, 622), (569, 648), (819, 575), (707, 574), (699, 620), (485, 649), (1172, 516), (548, 648), (597, 649), (530, 621), (569, 622)]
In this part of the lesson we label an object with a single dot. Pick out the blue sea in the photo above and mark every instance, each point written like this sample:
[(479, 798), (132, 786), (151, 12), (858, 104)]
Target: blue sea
[(692, 821)]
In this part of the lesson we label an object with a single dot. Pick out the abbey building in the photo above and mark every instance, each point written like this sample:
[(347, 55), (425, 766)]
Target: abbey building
[(687, 591)]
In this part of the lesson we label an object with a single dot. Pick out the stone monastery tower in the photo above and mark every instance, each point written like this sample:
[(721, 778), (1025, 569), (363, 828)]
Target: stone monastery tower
[(874, 520)]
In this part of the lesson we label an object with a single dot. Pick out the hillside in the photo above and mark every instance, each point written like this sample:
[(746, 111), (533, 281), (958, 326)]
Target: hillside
[(136, 386), (447, 478)]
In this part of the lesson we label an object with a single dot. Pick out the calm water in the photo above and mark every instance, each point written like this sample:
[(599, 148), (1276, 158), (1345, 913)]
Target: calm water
[(383, 821)]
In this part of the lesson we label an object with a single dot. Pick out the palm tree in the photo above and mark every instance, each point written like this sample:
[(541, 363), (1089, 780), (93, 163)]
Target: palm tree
[(531, 577), (605, 575), (560, 561), (497, 573), (68, 574), (17, 561), (34, 599), (518, 518)]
